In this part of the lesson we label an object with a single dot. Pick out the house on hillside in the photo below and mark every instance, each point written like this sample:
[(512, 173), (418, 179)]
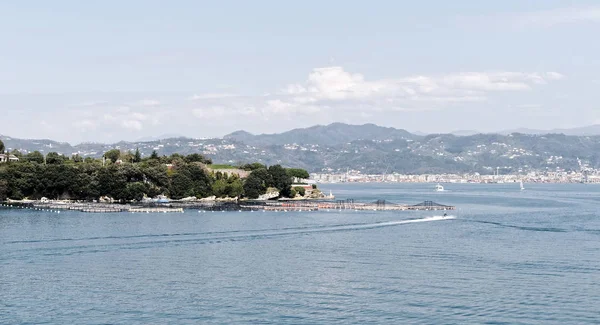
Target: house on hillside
[(7, 157)]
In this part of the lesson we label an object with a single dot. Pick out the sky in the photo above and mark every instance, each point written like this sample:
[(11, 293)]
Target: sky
[(105, 71)]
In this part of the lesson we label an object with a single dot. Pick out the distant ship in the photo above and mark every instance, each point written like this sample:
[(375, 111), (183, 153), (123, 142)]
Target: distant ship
[(439, 188)]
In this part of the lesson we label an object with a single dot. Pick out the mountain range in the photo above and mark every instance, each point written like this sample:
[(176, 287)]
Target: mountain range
[(368, 148), (589, 130)]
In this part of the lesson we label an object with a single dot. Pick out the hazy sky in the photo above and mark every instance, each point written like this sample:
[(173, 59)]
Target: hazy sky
[(110, 70)]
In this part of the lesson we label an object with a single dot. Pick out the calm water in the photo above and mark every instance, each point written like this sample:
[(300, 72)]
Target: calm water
[(509, 257)]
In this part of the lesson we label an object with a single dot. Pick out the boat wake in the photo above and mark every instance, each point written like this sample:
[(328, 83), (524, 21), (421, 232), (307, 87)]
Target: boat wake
[(400, 222), (99, 244)]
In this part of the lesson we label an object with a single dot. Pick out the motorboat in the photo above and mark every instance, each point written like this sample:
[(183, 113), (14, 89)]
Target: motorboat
[(439, 188)]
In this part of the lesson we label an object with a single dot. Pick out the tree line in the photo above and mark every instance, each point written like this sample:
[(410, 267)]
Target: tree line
[(129, 177)]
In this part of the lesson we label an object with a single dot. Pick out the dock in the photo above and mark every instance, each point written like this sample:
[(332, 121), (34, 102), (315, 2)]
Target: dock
[(156, 210), (379, 205), (242, 205)]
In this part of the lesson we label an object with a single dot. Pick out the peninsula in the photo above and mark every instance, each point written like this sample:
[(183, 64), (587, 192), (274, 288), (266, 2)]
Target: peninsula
[(127, 177)]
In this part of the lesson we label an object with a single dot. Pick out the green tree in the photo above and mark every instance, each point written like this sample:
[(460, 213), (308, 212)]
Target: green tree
[(135, 191), (112, 182), (300, 190), (154, 155), (264, 176), (257, 183), (281, 180), (3, 189), (253, 166), (2, 148), (17, 153), (35, 156), (58, 181), (181, 185), (22, 179), (235, 187), (77, 158), (53, 158), (254, 186), (113, 155), (137, 157), (219, 188), (297, 173), (195, 157), (200, 179)]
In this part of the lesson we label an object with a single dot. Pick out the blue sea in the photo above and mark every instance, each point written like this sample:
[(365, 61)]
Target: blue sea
[(508, 257)]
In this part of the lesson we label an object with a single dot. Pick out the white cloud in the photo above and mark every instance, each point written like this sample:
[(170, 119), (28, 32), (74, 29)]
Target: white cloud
[(335, 90), (148, 102), (132, 124), (335, 84), (84, 125), (138, 116), (123, 109), (108, 117), (122, 117), (209, 112), (554, 75), (211, 96)]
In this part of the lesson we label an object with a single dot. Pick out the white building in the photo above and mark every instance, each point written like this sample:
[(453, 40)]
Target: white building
[(6, 157)]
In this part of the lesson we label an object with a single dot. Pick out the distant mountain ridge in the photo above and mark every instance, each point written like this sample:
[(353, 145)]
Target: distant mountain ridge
[(332, 134), (590, 130), (368, 148)]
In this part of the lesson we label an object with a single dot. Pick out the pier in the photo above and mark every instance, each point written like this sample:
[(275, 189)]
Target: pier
[(156, 210), (349, 204)]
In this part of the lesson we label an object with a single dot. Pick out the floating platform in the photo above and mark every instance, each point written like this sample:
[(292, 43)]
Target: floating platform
[(100, 210), (156, 210), (279, 205), (379, 205)]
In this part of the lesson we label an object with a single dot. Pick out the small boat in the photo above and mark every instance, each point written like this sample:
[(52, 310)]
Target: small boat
[(522, 188), (330, 196), (439, 188)]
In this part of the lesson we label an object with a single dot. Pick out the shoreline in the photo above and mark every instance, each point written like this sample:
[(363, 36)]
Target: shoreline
[(283, 206)]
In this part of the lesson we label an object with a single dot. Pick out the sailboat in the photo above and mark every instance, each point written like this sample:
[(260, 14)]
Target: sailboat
[(521, 184)]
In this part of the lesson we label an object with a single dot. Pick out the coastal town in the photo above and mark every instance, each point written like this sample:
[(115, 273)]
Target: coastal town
[(530, 177)]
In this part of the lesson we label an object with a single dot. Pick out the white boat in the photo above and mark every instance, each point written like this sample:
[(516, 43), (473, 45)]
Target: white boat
[(330, 196), (522, 188), (439, 188)]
